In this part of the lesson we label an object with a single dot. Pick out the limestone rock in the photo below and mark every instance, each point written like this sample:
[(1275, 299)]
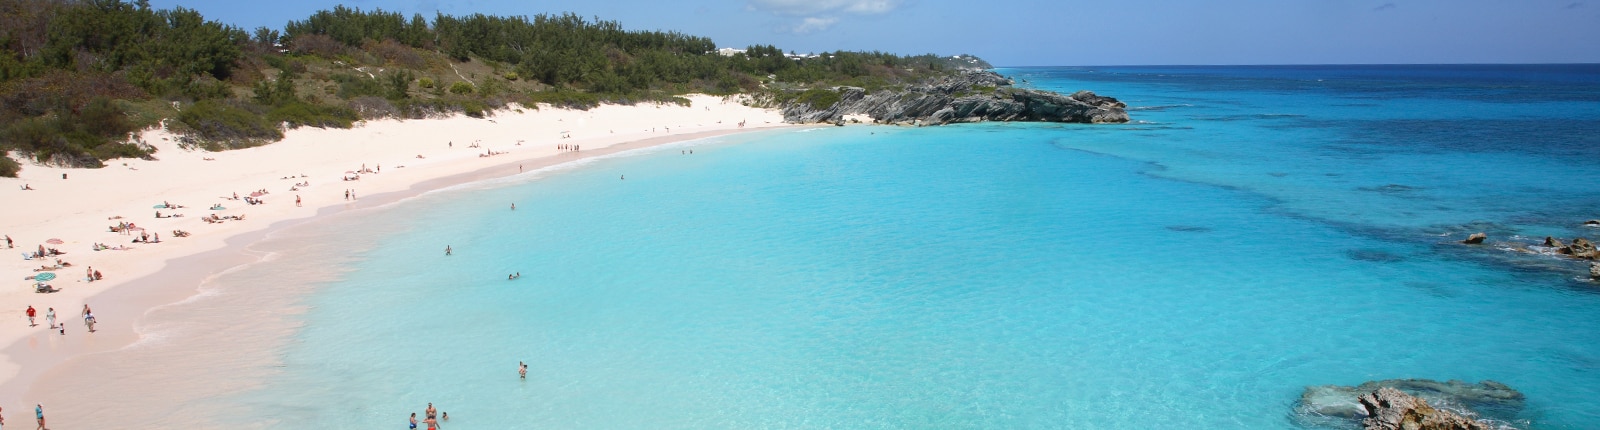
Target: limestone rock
[(1475, 238), (1553, 242), (971, 96), (1338, 406), (1391, 409), (1580, 248)]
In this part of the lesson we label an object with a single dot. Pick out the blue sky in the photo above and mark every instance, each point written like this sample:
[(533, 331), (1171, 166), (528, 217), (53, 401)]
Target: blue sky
[(1069, 32)]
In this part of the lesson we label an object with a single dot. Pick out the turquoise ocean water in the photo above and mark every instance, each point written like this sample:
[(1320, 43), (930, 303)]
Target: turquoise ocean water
[(1254, 231)]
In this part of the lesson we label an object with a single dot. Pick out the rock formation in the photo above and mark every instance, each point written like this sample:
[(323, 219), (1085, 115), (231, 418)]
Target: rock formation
[(1553, 242), (970, 96), (1594, 271), (1391, 409), (1326, 404), (1580, 248), (1475, 238), (1592, 223)]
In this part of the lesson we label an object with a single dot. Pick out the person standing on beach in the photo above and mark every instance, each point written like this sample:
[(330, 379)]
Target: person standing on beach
[(31, 314), (38, 411), (88, 320), (296, 200), (50, 315), (90, 271), (8, 242)]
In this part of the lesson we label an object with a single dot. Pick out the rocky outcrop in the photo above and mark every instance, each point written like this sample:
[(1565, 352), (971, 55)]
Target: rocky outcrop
[(1594, 271), (1325, 404), (1579, 248), (1391, 409), (1475, 238), (971, 96)]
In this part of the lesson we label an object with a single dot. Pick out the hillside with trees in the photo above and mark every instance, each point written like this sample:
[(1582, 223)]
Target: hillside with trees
[(78, 78)]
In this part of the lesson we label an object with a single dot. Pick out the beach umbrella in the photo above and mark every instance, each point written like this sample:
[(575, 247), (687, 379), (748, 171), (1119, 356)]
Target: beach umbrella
[(44, 276), (53, 241), (160, 206)]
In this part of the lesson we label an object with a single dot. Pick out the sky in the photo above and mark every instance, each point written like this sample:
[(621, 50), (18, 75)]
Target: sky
[(1066, 32)]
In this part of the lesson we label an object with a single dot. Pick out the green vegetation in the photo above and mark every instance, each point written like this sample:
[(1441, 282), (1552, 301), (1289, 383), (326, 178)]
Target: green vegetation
[(78, 77)]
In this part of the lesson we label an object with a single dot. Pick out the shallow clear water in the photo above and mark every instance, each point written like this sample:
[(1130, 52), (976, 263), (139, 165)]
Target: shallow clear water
[(1257, 230)]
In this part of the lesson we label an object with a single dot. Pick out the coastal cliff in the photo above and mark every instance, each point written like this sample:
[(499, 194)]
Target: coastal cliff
[(970, 96)]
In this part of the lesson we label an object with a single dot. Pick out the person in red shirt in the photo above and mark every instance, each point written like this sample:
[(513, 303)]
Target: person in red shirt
[(31, 313)]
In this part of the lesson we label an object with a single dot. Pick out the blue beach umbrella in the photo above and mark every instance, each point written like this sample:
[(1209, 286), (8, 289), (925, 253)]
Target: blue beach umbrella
[(44, 276), (160, 206)]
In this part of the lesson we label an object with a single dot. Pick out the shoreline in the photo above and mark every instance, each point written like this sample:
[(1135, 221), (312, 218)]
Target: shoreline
[(177, 276)]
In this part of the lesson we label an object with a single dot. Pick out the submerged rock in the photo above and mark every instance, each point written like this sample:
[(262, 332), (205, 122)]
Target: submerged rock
[(1342, 403), (1594, 271), (1391, 409), (1475, 238)]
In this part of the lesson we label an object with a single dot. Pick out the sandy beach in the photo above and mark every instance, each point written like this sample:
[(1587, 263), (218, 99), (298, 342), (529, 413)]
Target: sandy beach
[(306, 175)]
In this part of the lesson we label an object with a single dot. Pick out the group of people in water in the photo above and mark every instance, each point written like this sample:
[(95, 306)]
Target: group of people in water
[(431, 417)]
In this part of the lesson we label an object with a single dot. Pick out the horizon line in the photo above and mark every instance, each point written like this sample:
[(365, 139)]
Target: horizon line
[(1304, 64)]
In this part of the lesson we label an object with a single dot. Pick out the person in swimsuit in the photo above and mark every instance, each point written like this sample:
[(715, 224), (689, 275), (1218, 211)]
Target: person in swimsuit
[(413, 421), (522, 369), (431, 413)]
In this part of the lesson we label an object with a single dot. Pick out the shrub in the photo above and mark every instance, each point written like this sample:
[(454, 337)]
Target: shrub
[(425, 83), (818, 98), (221, 124), (299, 113), (9, 167), (461, 87)]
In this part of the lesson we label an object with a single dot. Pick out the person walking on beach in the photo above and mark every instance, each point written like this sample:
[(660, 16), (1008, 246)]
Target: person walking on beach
[(31, 314), (296, 200), (50, 315), (86, 310), (38, 411), (8, 242), (88, 320)]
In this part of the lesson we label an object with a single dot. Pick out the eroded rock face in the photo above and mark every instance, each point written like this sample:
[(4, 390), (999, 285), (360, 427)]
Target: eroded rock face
[(1391, 409), (1329, 405), (1475, 238), (968, 97)]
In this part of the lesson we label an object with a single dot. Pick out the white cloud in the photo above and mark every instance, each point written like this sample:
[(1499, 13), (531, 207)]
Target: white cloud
[(818, 7), (819, 15), (814, 23)]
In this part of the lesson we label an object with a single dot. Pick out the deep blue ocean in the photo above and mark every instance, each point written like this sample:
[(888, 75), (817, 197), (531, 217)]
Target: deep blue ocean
[(1253, 231)]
